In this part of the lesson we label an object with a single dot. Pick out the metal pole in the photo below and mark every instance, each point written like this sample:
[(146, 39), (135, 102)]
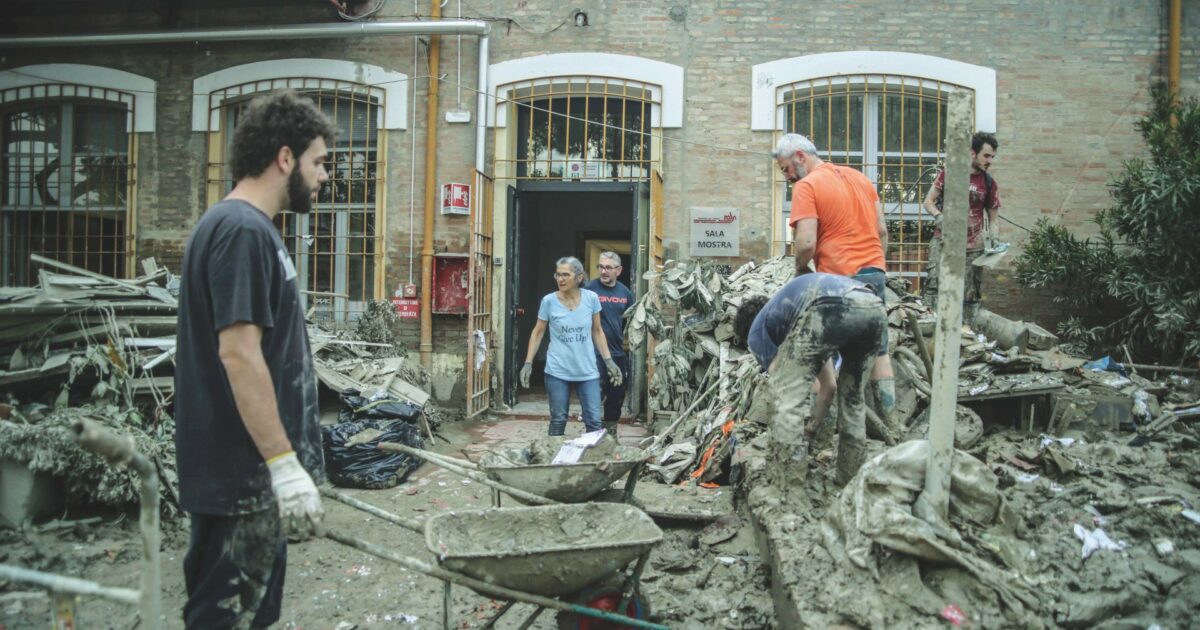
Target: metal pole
[(64, 584), (947, 335), (120, 450), (256, 33), (431, 195)]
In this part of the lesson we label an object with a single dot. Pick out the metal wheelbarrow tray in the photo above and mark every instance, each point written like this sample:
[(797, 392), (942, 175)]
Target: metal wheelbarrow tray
[(550, 550), (528, 468)]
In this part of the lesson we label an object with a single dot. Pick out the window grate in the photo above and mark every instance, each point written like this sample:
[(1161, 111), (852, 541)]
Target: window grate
[(66, 180), (336, 247), (889, 127), (583, 128)]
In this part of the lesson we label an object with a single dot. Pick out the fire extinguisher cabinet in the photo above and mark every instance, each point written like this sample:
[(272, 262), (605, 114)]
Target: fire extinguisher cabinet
[(451, 282)]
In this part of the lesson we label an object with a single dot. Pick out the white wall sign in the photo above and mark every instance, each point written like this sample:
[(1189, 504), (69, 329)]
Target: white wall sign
[(715, 232)]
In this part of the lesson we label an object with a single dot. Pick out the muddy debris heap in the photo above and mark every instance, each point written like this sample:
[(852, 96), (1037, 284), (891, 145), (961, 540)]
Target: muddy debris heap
[(1075, 483), (81, 344)]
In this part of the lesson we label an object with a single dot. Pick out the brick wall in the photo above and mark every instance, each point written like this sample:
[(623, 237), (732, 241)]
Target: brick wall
[(1072, 79)]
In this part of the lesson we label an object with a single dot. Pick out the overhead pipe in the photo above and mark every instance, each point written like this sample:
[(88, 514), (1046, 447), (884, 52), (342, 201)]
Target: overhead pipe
[(257, 33), (1174, 27), (431, 116)]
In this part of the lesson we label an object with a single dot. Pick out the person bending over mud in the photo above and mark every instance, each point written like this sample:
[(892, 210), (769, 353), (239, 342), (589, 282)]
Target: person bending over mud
[(792, 335)]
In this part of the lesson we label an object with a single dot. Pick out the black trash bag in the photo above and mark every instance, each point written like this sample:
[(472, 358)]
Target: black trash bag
[(355, 406), (361, 464)]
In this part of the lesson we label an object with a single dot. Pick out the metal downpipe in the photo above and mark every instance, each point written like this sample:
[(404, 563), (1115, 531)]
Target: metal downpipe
[(431, 117)]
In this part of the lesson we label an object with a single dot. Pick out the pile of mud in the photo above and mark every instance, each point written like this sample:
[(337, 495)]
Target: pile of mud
[(1090, 532)]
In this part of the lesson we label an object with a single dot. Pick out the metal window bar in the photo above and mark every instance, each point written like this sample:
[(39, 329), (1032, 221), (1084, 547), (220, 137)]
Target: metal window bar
[(66, 179), (575, 127), (891, 128), (334, 247)]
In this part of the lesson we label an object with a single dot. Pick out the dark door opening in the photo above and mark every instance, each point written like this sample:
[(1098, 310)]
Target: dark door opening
[(547, 221)]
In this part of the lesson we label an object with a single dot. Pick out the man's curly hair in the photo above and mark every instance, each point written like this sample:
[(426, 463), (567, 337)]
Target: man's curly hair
[(270, 122), (745, 317)]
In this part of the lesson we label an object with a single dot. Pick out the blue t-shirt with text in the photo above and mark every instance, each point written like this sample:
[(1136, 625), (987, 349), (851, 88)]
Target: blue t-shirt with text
[(572, 354)]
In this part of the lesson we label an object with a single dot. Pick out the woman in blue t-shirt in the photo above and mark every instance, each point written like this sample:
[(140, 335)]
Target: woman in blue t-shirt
[(572, 314)]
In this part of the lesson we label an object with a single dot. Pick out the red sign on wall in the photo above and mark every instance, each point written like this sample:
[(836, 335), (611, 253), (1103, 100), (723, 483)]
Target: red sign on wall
[(456, 199), (407, 308)]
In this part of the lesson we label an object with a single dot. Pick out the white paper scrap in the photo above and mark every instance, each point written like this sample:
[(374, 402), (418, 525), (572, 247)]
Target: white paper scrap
[(1191, 515), (1095, 540), (569, 454)]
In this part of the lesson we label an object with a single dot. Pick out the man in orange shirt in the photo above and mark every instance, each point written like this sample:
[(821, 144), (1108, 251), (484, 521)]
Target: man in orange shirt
[(838, 224)]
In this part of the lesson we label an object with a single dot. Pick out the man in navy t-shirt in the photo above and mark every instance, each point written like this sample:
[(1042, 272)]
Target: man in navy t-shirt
[(813, 317), (615, 299)]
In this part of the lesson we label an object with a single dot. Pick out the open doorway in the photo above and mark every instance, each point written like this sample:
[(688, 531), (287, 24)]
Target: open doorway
[(549, 220)]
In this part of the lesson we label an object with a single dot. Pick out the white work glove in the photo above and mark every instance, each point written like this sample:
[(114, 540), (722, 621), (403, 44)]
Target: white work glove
[(614, 373), (526, 372), (297, 496)]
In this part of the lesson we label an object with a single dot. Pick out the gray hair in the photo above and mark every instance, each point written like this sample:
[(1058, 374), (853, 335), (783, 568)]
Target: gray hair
[(790, 143), (575, 266), (613, 256)]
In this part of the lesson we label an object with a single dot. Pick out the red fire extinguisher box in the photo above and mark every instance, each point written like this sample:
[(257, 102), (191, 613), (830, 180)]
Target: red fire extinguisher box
[(451, 282)]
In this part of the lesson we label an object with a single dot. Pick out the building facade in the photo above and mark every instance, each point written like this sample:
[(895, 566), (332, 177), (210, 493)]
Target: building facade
[(605, 125)]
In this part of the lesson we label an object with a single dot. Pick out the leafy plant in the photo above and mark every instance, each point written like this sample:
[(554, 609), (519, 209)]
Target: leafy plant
[(1145, 261)]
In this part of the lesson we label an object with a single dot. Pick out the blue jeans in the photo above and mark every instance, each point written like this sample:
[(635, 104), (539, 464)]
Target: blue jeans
[(559, 392)]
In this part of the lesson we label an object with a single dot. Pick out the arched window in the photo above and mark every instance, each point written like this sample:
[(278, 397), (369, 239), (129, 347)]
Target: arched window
[(881, 112), (337, 247), (583, 128), (66, 167)]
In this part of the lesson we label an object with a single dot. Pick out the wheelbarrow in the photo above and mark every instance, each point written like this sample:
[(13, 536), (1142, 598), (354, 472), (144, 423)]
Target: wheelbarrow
[(534, 555), (529, 475)]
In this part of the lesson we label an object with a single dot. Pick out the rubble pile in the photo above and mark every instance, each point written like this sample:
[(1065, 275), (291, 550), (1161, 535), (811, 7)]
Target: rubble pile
[(84, 344), (1075, 498)]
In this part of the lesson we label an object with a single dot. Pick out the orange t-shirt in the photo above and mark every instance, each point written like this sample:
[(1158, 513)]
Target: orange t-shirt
[(842, 200)]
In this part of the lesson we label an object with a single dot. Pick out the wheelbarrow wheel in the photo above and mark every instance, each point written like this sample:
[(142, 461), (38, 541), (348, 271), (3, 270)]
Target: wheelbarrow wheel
[(605, 596)]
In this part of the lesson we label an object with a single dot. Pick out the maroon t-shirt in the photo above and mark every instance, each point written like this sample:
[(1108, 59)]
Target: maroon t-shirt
[(976, 196)]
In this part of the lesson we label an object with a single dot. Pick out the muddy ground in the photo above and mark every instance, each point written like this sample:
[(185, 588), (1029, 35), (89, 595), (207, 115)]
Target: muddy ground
[(689, 583)]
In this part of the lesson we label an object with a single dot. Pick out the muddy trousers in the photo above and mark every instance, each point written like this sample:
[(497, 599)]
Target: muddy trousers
[(972, 280), (234, 570), (848, 325), (612, 397)]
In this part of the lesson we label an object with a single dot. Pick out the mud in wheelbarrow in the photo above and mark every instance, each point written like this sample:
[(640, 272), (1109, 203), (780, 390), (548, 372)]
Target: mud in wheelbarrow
[(537, 481), (529, 468), (535, 555), (550, 550)]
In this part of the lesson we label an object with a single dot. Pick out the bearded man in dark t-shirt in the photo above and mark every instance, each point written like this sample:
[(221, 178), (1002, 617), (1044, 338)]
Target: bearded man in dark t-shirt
[(248, 444), (615, 299)]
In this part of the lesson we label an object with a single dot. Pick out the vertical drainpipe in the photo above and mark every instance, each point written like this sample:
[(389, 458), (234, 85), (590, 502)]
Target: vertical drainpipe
[(1175, 21), (431, 117)]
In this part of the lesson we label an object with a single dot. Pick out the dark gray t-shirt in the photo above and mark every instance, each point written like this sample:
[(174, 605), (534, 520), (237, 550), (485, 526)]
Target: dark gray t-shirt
[(614, 301), (775, 320), (236, 269)]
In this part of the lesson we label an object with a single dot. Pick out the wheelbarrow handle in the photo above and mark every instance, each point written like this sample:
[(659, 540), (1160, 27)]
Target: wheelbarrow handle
[(475, 475)]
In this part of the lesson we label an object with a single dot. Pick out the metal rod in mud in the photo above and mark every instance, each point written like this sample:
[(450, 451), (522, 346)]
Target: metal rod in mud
[(654, 441), (948, 333), (74, 586), (484, 587), (341, 497), (919, 339), (475, 475), (120, 450)]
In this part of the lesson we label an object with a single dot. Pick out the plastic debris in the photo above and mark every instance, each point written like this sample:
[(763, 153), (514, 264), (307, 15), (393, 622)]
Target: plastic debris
[(1096, 540)]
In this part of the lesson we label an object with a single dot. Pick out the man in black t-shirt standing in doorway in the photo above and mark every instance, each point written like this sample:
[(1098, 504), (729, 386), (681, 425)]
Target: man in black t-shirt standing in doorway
[(248, 444), (615, 299)]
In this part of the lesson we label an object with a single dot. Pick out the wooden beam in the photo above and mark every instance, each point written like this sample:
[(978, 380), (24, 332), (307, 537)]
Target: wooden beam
[(948, 335)]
